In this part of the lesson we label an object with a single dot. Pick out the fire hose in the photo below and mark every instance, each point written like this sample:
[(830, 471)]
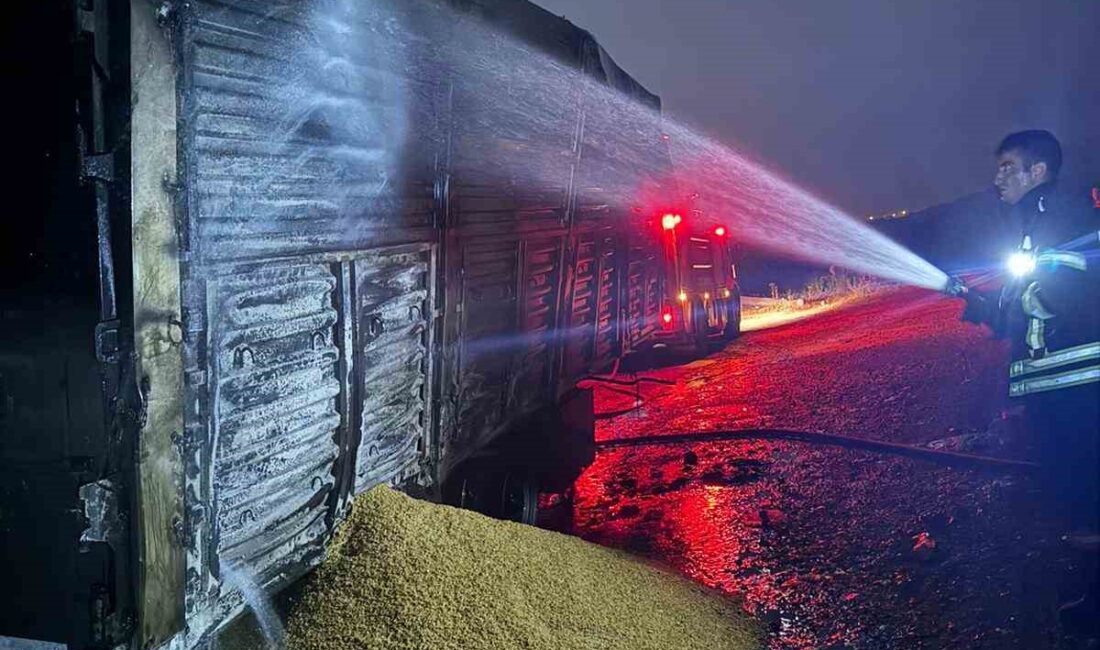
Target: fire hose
[(810, 437), (628, 382)]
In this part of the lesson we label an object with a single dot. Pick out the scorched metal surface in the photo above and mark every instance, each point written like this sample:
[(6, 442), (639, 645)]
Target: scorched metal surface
[(308, 247), (376, 279)]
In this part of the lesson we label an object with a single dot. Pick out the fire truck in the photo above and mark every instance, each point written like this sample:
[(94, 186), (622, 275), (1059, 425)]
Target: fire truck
[(702, 299)]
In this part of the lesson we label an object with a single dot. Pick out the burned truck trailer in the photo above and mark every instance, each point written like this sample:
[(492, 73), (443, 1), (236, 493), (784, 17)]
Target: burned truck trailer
[(266, 255)]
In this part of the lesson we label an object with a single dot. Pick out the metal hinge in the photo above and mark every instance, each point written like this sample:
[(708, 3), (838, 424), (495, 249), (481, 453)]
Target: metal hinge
[(107, 341)]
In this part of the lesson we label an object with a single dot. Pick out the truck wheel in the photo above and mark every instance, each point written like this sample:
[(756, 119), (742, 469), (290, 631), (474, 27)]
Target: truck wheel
[(469, 491), (519, 498), (500, 493), (700, 327), (733, 317)]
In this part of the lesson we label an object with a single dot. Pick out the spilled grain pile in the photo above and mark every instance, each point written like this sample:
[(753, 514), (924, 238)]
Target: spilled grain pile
[(406, 574)]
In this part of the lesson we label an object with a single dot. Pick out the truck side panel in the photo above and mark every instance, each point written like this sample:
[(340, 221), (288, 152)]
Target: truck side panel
[(381, 241), (310, 206)]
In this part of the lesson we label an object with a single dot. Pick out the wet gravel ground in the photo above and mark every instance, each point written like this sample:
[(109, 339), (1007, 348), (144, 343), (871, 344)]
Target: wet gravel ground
[(832, 547)]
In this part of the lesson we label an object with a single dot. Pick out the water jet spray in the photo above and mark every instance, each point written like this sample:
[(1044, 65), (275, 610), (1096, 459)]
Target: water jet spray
[(761, 208)]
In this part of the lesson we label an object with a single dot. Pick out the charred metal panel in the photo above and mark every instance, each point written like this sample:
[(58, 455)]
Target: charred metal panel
[(607, 275), (312, 140), (581, 330), (393, 325), (642, 295), (483, 278), (516, 135), (335, 154), (490, 278), (274, 385), (317, 366), (531, 384), (503, 353), (513, 142), (302, 135), (498, 206), (592, 337)]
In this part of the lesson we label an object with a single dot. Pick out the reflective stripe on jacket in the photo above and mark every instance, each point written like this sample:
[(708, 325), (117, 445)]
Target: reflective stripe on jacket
[(1052, 314), (1062, 369)]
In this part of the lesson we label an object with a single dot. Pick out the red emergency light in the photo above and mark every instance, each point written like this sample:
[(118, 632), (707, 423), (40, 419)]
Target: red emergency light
[(670, 221), (666, 317)]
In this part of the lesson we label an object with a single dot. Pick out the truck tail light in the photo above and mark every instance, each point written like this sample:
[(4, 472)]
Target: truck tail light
[(720, 231), (670, 221), (666, 317)]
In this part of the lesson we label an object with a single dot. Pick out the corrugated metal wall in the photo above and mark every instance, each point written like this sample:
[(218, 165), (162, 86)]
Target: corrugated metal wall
[(377, 278), (310, 192)]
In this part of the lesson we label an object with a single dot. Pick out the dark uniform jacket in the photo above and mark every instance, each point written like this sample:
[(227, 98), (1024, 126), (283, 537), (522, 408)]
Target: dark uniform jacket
[(1052, 315)]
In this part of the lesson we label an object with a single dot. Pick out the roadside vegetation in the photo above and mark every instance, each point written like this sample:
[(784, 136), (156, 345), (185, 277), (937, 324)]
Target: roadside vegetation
[(823, 293)]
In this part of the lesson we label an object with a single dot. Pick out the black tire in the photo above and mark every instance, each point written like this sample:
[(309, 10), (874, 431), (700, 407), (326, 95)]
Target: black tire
[(499, 493), (468, 490), (519, 498), (699, 327), (733, 317)]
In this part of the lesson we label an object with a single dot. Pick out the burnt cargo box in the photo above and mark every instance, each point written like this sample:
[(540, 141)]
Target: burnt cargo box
[(271, 254)]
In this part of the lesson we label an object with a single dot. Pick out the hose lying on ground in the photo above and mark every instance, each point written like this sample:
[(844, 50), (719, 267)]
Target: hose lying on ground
[(611, 415), (621, 391), (948, 457), (639, 401), (628, 382)]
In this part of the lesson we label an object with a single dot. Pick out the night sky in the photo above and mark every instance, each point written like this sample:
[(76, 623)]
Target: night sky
[(874, 105)]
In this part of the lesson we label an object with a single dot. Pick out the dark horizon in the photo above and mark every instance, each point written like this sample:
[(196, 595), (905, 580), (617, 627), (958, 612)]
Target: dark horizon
[(874, 107)]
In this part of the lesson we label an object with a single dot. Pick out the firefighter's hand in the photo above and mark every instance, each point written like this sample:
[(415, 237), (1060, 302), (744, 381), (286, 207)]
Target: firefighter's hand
[(978, 308), (956, 288)]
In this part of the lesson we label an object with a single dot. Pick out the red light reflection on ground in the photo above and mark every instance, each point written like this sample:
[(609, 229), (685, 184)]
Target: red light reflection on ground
[(806, 537), (694, 507)]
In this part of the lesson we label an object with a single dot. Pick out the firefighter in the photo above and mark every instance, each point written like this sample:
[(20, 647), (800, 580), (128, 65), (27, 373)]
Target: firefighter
[(1049, 308)]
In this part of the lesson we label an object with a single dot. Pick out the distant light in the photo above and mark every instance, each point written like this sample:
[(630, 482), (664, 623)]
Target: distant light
[(706, 295), (725, 293), (1021, 263), (682, 296), (670, 221), (720, 231)]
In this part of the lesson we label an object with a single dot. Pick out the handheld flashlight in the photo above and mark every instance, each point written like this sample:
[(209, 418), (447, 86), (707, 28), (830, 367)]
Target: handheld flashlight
[(1021, 263)]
